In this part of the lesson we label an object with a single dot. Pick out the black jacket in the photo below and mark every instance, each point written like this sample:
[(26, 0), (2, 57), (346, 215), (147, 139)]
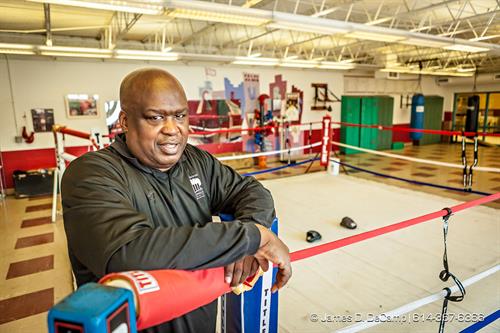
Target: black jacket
[(121, 215)]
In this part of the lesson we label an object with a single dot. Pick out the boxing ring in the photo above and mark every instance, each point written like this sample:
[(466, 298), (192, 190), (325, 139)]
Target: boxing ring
[(351, 281), (372, 272)]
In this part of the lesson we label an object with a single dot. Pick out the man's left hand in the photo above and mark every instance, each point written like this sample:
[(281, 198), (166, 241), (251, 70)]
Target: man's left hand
[(238, 272)]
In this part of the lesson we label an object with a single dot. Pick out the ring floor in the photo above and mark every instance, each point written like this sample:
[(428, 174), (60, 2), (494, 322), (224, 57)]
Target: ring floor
[(369, 277)]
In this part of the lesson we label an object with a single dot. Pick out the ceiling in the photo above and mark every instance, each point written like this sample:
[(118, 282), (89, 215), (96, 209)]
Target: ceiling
[(453, 37)]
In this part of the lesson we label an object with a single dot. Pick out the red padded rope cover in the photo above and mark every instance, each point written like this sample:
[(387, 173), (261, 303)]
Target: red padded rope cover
[(167, 294)]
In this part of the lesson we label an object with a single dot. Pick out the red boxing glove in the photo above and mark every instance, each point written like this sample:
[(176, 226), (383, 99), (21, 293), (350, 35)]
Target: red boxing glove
[(163, 295)]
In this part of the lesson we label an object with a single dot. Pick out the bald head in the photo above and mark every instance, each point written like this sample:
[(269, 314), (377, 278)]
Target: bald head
[(138, 85), (154, 117)]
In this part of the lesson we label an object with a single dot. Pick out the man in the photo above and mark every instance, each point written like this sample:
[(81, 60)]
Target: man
[(147, 201)]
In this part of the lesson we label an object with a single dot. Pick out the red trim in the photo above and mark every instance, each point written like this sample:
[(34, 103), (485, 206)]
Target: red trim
[(123, 307), (32, 160), (63, 324)]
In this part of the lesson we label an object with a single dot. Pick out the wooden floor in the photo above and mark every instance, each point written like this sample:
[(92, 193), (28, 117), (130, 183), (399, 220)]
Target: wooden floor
[(370, 277)]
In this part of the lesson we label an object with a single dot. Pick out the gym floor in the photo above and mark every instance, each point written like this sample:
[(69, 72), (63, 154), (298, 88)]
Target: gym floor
[(35, 272)]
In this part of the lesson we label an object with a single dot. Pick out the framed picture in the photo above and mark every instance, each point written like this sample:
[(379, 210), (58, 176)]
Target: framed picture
[(43, 119), (82, 105)]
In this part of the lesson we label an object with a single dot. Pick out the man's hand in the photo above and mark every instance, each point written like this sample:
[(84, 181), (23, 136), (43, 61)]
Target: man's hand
[(238, 272), (273, 249)]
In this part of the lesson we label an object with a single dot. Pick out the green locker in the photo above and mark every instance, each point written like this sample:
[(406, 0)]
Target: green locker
[(369, 116), (386, 110), (366, 110), (433, 116), (350, 113)]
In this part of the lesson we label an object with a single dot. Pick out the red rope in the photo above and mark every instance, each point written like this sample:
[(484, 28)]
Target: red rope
[(319, 249), (415, 130), (212, 116), (231, 130)]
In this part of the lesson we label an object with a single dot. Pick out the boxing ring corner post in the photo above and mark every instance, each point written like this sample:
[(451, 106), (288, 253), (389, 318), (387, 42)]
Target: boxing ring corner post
[(255, 310), (59, 132)]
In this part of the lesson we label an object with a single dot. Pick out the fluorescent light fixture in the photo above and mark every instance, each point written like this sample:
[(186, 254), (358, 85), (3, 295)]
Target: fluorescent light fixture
[(69, 51), (425, 72), (424, 42), (309, 24), (335, 65), (143, 53), (374, 36), (75, 54), (142, 57), (220, 17), (466, 48), (16, 51), (16, 46), (256, 61), (299, 64), (120, 6), (72, 49), (146, 55), (7, 48), (254, 55)]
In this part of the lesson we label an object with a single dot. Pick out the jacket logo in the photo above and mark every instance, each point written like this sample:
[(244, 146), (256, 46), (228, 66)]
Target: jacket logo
[(197, 188)]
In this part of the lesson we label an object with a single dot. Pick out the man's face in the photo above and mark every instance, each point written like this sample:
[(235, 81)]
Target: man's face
[(157, 126)]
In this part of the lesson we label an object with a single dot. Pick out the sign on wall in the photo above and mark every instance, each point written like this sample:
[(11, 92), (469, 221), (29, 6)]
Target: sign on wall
[(43, 119)]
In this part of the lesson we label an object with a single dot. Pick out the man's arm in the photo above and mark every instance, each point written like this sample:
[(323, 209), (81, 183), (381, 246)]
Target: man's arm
[(243, 197), (248, 201)]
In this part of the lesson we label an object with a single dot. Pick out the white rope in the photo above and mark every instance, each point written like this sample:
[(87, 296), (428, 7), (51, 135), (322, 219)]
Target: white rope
[(414, 305), (413, 159), (213, 129), (68, 157), (266, 153)]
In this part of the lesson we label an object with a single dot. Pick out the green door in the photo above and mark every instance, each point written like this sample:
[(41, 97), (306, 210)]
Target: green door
[(433, 116), (350, 113)]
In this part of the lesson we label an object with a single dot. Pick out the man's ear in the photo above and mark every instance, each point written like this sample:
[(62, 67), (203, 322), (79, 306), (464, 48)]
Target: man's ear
[(123, 120)]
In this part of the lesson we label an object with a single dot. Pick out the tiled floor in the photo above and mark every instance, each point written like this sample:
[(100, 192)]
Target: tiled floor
[(35, 271), (34, 267)]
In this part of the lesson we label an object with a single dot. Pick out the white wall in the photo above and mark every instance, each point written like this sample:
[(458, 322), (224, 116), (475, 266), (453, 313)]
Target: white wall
[(44, 83)]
